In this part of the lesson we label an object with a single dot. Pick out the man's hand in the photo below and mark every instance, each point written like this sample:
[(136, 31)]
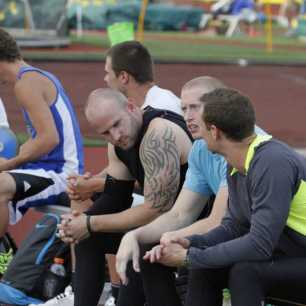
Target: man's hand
[(128, 250), (172, 255), (80, 187), (155, 254), (73, 228), (62, 227), (170, 237)]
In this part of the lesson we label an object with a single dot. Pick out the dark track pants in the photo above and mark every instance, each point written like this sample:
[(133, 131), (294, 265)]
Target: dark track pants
[(249, 283), (90, 254)]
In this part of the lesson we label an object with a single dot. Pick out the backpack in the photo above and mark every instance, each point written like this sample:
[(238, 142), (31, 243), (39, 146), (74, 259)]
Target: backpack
[(23, 281)]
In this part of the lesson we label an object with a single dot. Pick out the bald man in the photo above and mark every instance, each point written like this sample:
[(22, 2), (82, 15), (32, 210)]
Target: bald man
[(150, 146)]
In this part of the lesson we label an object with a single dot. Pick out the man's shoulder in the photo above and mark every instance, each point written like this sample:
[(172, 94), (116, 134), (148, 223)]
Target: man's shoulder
[(272, 149), (199, 145), (201, 156), (25, 82), (164, 99), (200, 149), (159, 124), (274, 154), (24, 85), (156, 91), (161, 130)]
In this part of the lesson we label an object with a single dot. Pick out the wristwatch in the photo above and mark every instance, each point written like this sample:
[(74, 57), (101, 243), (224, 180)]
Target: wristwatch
[(88, 225), (186, 262)]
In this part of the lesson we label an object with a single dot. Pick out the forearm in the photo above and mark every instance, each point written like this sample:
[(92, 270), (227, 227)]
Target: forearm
[(97, 184), (213, 237), (31, 150), (198, 228), (226, 253), (185, 211), (224, 245), (207, 224), (123, 221), (167, 222), (102, 174)]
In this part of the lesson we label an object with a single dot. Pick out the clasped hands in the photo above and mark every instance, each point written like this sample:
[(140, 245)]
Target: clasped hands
[(171, 252), (79, 187), (73, 227)]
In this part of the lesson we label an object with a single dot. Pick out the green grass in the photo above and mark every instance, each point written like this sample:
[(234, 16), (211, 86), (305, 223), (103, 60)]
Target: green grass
[(101, 40), (98, 40), (210, 52), (88, 142), (192, 47), (57, 56)]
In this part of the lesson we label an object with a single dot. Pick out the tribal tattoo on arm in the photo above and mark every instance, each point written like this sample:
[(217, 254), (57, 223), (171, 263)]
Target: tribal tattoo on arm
[(161, 162)]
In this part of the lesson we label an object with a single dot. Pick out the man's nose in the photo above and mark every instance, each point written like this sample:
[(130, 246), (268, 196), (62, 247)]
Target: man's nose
[(189, 115), (116, 134)]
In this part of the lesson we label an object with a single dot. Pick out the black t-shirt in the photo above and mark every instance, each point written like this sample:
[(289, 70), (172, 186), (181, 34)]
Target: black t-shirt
[(131, 157)]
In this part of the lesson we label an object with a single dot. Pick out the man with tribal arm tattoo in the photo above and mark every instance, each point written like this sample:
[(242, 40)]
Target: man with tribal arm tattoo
[(150, 146), (205, 178)]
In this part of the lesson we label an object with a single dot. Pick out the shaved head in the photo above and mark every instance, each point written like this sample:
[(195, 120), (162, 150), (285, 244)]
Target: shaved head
[(101, 98), (204, 83), (192, 106), (101, 95), (113, 117)]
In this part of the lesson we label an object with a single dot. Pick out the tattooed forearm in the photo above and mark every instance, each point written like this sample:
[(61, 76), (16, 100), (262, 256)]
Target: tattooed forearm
[(161, 163)]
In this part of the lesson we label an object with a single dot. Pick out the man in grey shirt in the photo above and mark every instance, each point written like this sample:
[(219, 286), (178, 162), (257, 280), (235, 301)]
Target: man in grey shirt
[(259, 249)]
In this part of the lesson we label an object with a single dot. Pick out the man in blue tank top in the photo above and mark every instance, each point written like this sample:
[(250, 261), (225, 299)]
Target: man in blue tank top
[(37, 175)]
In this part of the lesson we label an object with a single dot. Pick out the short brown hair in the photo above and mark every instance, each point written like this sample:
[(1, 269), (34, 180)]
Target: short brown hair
[(229, 111), (134, 58), (9, 51)]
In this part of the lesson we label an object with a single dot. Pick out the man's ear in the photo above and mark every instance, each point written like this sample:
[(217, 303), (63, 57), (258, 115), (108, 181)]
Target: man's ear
[(130, 105), (215, 132), (124, 77)]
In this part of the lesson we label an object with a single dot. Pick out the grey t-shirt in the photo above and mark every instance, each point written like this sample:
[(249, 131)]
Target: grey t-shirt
[(259, 204)]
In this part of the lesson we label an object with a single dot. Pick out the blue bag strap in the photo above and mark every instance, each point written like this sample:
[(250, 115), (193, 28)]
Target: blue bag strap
[(44, 250)]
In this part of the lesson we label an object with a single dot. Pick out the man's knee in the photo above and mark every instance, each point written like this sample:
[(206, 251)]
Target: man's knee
[(7, 187)]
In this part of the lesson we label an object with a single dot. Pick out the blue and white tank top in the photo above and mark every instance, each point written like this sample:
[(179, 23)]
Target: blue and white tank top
[(68, 155)]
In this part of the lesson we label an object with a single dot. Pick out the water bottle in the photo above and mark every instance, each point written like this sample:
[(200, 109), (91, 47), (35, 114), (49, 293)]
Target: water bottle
[(226, 297), (53, 281), (57, 267)]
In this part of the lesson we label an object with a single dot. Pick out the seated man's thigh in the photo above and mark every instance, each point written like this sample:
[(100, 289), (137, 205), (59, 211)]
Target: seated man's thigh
[(35, 188)]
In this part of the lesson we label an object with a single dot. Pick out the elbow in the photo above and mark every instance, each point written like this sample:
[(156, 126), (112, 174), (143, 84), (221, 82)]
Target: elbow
[(149, 212), (52, 142), (175, 214), (262, 250), (264, 255)]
